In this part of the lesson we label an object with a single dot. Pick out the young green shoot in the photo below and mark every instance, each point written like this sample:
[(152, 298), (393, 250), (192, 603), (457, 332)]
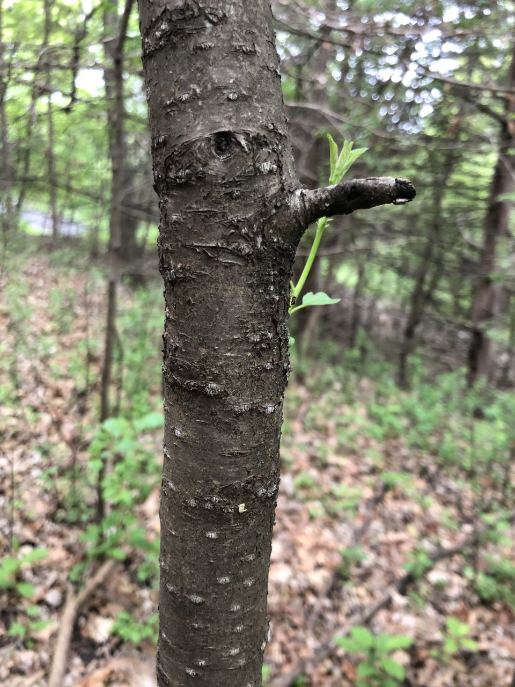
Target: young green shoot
[(340, 164)]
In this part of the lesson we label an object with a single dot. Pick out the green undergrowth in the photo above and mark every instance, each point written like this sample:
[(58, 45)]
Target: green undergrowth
[(437, 432), (440, 426), (53, 302), (468, 433)]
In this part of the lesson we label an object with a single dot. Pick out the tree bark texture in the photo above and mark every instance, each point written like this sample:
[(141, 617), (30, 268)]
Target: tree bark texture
[(232, 214)]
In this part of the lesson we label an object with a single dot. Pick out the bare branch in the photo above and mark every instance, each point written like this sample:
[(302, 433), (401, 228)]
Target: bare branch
[(307, 207)]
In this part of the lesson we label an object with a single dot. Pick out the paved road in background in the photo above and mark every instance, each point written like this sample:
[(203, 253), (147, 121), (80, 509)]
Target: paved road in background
[(42, 223)]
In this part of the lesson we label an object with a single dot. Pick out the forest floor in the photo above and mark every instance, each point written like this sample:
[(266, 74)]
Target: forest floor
[(394, 510)]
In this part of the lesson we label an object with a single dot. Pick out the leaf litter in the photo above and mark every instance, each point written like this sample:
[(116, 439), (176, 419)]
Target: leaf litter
[(333, 499)]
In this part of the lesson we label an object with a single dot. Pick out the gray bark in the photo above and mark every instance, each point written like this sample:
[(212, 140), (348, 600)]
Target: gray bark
[(232, 214)]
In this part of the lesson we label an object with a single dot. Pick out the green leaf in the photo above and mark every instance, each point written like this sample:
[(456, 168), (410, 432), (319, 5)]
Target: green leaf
[(150, 421), (469, 644), (345, 160), (40, 625), (363, 637), (400, 642), (17, 630), (319, 298), (390, 683), (35, 555), (291, 340), (393, 668), (333, 155), (381, 643), (33, 611), (366, 670), (451, 646), (505, 196), (116, 426), (456, 628), (348, 645), (25, 589), (91, 534), (118, 554), (10, 565), (95, 464)]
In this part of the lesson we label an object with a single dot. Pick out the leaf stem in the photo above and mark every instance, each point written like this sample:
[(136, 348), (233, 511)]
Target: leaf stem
[(321, 225)]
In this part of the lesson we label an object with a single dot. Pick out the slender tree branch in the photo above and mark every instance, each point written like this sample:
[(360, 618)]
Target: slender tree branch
[(307, 207)]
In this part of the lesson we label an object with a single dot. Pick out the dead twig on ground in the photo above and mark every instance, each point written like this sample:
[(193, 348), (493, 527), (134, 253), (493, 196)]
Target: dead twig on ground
[(74, 604)]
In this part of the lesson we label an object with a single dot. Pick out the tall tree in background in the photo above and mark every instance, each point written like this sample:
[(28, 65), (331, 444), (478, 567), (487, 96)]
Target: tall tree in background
[(486, 305), (117, 136), (6, 198), (118, 144), (46, 88), (232, 214)]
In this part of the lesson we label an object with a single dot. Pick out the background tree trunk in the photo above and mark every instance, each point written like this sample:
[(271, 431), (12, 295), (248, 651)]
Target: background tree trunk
[(431, 264), (115, 229), (128, 249), (50, 156), (6, 199), (485, 309)]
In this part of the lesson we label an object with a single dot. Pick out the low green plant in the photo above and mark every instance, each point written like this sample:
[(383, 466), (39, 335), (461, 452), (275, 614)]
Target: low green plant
[(496, 582), (347, 498), (130, 630), (418, 563), (25, 630), (10, 568), (127, 482), (378, 668), (351, 556), (455, 640), (340, 163), (304, 480)]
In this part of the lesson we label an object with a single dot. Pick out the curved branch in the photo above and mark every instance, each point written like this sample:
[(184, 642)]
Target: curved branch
[(306, 207)]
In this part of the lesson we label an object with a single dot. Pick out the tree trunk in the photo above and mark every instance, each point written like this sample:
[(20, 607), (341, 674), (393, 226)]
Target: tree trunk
[(355, 320), (432, 259), (116, 120), (128, 249), (6, 198), (485, 310), (52, 177), (232, 214), (510, 353)]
